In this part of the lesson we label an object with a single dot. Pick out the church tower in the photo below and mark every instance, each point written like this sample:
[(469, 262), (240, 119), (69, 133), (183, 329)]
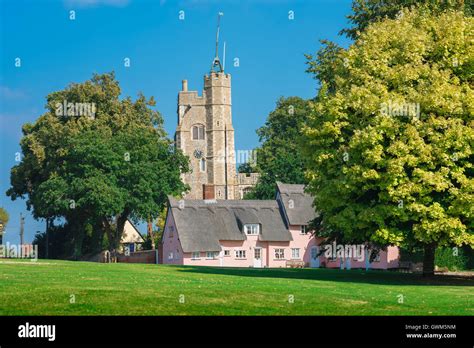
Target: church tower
[(205, 133)]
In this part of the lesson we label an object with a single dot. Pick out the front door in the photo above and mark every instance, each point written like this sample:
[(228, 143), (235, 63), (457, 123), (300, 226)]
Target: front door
[(314, 262), (257, 257)]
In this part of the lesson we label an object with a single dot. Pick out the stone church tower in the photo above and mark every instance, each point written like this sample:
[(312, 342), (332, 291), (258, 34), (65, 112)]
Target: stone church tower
[(205, 133)]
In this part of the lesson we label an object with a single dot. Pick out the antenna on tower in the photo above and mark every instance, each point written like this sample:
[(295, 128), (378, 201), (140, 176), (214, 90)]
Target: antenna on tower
[(216, 63), (223, 59)]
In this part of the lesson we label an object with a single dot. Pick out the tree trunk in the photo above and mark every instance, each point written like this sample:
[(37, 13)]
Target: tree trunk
[(109, 232), (121, 219), (97, 237), (429, 260), (78, 240), (151, 234)]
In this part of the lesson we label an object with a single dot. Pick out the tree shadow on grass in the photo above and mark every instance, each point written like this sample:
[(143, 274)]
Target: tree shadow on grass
[(336, 275)]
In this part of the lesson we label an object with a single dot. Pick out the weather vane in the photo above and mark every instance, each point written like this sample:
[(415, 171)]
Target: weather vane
[(216, 63)]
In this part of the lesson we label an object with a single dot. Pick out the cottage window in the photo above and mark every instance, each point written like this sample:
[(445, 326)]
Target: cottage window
[(240, 254), (377, 257), (211, 255), (226, 252), (195, 255), (279, 254), (304, 229), (295, 253), (198, 132), (170, 256), (252, 229)]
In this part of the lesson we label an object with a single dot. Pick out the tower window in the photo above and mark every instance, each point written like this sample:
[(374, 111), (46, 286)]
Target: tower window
[(198, 132), (202, 165)]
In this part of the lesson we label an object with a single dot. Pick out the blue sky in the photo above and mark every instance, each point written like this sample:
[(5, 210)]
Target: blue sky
[(163, 50)]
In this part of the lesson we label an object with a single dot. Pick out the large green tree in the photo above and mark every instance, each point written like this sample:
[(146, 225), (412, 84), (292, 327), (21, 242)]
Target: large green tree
[(279, 156), (97, 171), (389, 144)]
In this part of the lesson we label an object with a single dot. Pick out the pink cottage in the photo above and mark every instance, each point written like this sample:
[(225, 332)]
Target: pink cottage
[(255, 233)]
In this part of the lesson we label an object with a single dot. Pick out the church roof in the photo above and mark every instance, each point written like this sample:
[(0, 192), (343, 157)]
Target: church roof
[(298, 205), (201, 224)]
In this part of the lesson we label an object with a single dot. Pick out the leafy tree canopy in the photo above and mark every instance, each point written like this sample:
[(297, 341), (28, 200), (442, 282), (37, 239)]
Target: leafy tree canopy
[(366, 12), (115, 165), (4, 217), (279, 158), (389, 149)]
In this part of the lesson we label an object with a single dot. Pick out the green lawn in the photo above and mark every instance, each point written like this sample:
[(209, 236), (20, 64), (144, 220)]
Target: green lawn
[(46, 288)]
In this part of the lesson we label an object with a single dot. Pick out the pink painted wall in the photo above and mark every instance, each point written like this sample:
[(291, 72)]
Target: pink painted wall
[(171, 243), (248, 246), (388, 259), (304, 242)]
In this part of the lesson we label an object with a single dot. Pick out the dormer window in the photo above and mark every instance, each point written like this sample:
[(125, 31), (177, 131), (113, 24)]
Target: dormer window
[(252, 229), (198, 132), (304, 229)]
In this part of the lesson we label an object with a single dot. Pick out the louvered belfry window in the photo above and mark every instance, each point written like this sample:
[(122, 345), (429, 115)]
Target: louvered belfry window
[(198, 132)]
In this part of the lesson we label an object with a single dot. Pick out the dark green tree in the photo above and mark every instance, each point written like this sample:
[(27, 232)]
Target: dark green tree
[(279, 158), (97, 171)]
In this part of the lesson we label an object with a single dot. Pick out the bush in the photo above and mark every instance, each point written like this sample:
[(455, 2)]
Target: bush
[(450, 258), (453, 259)]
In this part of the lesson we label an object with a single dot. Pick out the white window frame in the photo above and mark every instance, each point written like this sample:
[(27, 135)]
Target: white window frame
[(252, 229), (193, 255), (170, 255), (227, 252), (295, 251), (279, 253), (243, 254), (304, 230), (202, 165)]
